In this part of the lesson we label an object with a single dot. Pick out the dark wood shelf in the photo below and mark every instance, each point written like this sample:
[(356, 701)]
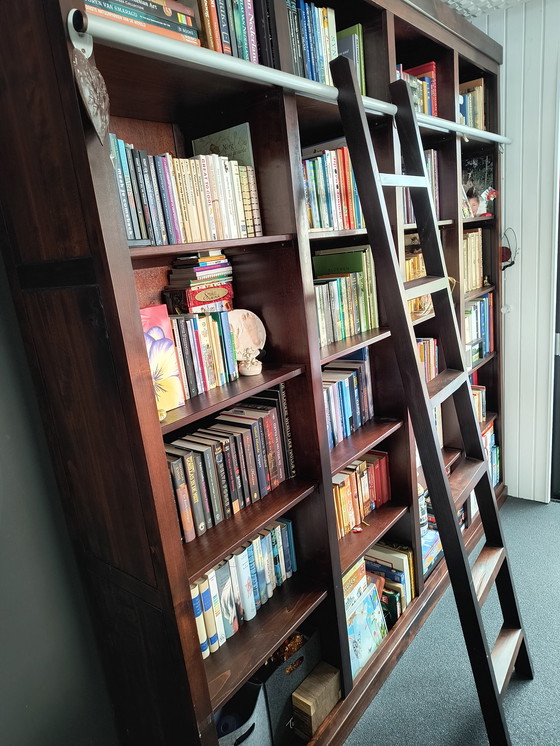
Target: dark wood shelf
[(365, 438), (450, 455), (317, 235), (413, 228), (353, 545), (207, 550), (350, 344), (489, 356), (215, 400), (490, 418), (479, 292), (142, 253), (256, 640), (477, 220), (418, 318)]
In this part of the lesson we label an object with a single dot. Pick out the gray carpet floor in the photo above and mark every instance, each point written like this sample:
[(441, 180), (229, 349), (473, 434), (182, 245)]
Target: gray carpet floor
[(430, 698)]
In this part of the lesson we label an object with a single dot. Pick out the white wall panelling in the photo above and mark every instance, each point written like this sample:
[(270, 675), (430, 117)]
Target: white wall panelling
[(529, 115)]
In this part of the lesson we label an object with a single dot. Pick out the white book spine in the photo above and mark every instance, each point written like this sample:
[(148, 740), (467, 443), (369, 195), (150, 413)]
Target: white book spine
[(245, 584)]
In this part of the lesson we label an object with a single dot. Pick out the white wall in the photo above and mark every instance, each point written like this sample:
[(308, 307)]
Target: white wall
[(529, 115)]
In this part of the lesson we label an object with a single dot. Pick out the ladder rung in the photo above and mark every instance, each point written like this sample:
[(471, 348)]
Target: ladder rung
[(444, 384), (424, 286), (403, 180), (504, 655), (485, 569), (464, 478)]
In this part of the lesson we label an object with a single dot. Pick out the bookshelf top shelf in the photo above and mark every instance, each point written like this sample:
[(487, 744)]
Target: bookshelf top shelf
[(242, 77)]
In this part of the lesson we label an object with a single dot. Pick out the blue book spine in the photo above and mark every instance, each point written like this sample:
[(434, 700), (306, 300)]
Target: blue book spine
[(395, 575), (254, 579), (128, 185), (228, 346), (276, 558), (311, 37), (317, 33), (121, 187), (288, 523), (286, 549), (347, 403), (302, 18)]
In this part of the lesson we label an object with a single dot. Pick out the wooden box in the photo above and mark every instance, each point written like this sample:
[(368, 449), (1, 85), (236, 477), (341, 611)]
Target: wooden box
[(314, 699)]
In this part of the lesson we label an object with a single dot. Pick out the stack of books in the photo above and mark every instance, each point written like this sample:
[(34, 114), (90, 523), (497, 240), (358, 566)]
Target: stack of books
[(361, 487), (200, 282), (365, 620), (167, 200), (347, 395), (243, 454), (314, 42), (233, 591), (432, 170), (331, 194), (163, 17), (415, 268), (345, 293), (394, 562), (473, 273), (422, 81)]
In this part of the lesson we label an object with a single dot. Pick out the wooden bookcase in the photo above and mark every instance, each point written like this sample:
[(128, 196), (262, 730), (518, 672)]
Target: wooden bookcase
[(78, 288)]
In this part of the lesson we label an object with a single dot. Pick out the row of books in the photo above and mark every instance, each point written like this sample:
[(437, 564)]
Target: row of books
[(331, 195), (236, 460), (414, 268), (170, 19), (473, 271), (361, 487), (432, 171), (479, 329), (479, 398), (492, 452), (345, 293), (428, 354), (347, 394), (365, 620), (231, 27), (233, 591), (315, 41), (422, 81), (167, 200), (471, 103)]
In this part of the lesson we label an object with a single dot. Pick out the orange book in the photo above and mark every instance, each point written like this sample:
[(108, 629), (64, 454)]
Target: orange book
[(342, 154)]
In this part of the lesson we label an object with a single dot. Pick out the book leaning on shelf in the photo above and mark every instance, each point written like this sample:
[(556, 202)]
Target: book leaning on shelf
[(167, 200), (231, 593), (240, 457), (365, 620)]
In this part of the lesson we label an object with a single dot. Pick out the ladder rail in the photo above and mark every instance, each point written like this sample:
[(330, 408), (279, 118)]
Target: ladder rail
[(491, 671)]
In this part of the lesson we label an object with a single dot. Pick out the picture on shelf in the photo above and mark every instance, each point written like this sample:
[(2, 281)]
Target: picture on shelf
[(478, 190)]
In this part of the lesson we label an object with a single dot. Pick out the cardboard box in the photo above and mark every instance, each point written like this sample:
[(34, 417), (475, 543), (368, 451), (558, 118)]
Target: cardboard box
[(314, 699)]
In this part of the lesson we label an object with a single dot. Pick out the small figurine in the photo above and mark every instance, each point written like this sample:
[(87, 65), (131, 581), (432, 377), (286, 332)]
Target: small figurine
[(249, 336)]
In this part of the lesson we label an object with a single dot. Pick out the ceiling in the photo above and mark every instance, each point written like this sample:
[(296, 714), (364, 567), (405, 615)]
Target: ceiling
[(473, 8)]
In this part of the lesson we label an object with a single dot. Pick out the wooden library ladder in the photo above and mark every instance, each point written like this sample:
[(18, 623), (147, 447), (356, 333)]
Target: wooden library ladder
[(491, 669)]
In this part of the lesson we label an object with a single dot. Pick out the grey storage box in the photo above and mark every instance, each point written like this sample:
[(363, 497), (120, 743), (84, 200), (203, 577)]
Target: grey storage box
[(244, 719), (280, 681)]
